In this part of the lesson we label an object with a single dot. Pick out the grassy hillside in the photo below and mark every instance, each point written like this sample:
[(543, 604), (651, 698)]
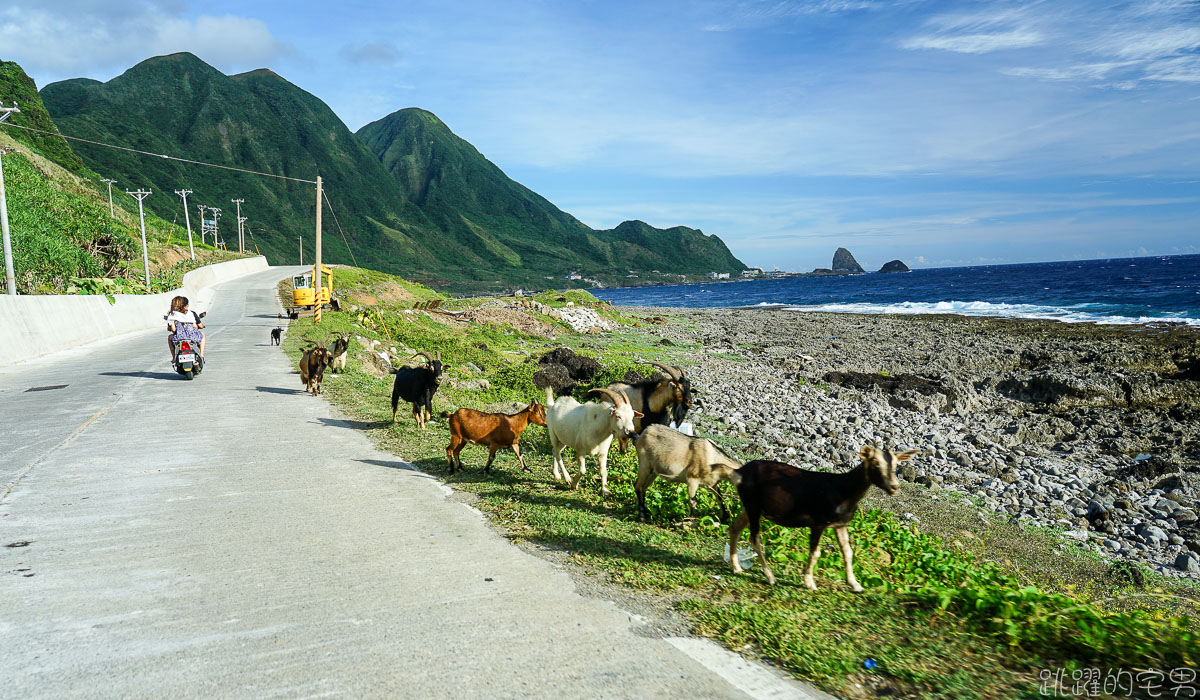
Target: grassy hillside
[(59, 216)]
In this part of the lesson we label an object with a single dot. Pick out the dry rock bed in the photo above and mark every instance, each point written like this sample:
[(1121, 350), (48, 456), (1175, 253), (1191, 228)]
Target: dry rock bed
[(1089, 429)]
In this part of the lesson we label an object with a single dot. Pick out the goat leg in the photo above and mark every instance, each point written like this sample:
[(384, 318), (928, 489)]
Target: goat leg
[(735, 534), (692, 487), (720, 501), (487, 468), (756, 543), (582, 469), (843, 538), (645, 477), (814, 551), (520, 457), (604, 472)]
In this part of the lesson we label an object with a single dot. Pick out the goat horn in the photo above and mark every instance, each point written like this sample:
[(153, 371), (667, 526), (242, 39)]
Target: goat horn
[(672, 372), (427, 356), (616, 396)]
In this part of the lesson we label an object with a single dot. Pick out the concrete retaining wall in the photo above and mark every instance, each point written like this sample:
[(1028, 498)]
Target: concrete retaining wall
[(36, 325)]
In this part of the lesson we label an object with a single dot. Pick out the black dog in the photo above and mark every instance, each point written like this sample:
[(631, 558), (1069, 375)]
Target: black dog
[(275, 333)]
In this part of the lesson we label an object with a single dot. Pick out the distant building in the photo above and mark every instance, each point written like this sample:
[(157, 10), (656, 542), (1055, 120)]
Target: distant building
[(718, 275), (574, 276), (752, 272)]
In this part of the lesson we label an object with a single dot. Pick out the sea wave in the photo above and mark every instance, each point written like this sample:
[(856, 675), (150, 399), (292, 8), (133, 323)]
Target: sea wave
[(1079, 313)]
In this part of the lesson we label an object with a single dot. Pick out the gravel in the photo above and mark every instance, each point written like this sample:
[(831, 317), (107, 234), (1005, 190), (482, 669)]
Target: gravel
[(1091, 430)]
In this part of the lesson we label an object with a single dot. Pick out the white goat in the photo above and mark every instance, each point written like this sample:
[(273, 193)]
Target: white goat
[(588, 429), (695, 461)]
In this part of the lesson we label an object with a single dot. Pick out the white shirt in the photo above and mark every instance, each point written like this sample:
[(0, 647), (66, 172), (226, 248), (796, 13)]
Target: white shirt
[(181, 316)]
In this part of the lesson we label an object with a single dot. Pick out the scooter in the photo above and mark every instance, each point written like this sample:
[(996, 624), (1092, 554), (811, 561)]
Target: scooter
[(187, 361)]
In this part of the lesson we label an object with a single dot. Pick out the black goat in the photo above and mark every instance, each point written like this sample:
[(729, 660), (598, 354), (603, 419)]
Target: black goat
[(276, 333), (794, 497), (417, 385), (659, 400)]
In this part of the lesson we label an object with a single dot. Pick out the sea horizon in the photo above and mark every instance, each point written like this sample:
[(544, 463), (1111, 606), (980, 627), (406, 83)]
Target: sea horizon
[(1129, 290)]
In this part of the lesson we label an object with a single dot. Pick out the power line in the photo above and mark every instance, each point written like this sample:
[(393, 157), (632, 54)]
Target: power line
[(159, 155), (339, 225)]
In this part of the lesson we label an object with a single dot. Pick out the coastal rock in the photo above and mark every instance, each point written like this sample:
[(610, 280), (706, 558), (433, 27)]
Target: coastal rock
[(843, 261), (894, 266)]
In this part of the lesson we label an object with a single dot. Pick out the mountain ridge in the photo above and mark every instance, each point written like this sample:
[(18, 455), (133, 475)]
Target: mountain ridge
[(410, 196)]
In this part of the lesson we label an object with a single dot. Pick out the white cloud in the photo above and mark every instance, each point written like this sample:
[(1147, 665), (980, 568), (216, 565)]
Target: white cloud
[(1091, 71), (977, 43), (1151, 44), (67, 39)]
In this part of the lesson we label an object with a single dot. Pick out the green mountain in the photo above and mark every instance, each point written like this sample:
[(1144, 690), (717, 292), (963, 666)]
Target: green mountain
[(467, 195), (409, 196), (16, 86)]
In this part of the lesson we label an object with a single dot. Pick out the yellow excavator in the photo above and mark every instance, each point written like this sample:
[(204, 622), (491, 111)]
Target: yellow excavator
[(305, 297)]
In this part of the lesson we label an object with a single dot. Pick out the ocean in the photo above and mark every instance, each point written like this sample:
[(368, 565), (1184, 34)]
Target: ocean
[(1122, 291)]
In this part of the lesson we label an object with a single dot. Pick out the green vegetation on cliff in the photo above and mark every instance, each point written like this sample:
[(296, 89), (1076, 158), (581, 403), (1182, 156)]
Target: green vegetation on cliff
[(411, 197)]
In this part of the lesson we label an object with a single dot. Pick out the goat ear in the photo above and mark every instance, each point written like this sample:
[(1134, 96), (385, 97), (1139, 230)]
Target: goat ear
[(866, 451), (905, 456), (636, 414)]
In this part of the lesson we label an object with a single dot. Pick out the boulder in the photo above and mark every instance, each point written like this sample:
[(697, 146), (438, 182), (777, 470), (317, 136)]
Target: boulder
[(843, 261), (894, 266)]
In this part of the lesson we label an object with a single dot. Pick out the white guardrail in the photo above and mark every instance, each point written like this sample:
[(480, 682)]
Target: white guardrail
[(39, 324)]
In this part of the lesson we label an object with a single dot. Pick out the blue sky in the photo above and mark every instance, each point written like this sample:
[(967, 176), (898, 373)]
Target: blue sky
[(940, 133)]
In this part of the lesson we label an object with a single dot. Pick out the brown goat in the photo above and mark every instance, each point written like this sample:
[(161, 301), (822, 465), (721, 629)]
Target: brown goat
[(794, 497), (492, 430), (312, 366)]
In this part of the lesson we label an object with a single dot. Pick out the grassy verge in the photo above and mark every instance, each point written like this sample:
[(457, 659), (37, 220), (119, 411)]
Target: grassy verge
[(943, 616)]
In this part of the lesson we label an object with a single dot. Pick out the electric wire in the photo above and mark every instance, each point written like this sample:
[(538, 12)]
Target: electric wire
[(339, 225), (157, 155)]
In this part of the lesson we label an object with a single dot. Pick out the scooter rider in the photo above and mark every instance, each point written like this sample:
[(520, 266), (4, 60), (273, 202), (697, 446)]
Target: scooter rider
[(184, 324)]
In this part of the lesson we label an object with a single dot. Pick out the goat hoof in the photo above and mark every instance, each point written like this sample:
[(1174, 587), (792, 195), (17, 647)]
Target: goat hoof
[(856, 589)]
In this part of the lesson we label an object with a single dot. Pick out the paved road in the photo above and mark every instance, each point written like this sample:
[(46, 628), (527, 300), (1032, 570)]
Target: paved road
[(231, 537)]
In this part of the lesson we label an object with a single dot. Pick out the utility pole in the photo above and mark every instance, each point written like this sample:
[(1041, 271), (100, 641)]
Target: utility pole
[(10, 278), (203, 223), (111, 213), (317, 267), (301, 249), (242, 229), (188, 218), (142, 194), (216, 215), (241, 241)]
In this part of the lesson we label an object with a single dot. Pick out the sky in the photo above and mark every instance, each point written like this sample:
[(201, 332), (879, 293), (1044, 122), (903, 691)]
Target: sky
[(938, 133)]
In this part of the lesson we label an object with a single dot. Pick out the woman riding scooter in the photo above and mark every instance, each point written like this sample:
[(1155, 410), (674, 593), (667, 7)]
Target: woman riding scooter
[(184, 325)]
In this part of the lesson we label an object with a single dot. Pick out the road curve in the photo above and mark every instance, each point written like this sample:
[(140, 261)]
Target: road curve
[(231, 537)]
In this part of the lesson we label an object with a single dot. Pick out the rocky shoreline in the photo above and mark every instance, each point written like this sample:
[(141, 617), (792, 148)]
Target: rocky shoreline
[(1093, 430)]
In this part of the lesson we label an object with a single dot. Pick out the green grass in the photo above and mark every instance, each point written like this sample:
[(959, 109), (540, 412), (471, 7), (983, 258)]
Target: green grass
[(939, 618)]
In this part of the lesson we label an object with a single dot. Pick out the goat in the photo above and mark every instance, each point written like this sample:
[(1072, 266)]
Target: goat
[(588, 429), (794, 497), (657, 399), (312, 366), (492, 430), (338, 351), (695, 461), (276, 333), (417, 385)]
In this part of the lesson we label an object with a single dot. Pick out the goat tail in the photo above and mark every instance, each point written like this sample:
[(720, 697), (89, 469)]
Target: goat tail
[(549, 397)]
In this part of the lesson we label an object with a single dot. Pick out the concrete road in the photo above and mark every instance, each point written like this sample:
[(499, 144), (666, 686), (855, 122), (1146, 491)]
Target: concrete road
[(232, 537)]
